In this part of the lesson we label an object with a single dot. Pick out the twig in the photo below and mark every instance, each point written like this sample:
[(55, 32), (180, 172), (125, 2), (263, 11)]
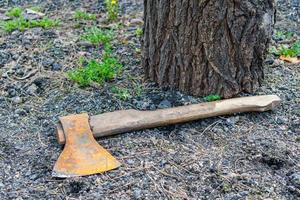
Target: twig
[(31, 73), (166, 174), (156, 186), (123, 186), (130, 172), (211, 125)]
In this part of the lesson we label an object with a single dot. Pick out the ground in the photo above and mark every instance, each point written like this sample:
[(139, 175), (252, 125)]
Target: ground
[(246, 156)]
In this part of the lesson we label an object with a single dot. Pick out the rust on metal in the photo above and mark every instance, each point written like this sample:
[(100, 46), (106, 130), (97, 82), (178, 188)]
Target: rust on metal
[(82, 155)]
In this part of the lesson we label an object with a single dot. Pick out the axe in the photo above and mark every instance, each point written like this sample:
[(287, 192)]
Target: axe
[(82, 155)]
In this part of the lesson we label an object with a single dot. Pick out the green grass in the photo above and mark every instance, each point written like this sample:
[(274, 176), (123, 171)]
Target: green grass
[(286, 50), (274, 50), (212, 98), (139, 32), (138, 90), (283, 35), (112, 7), (121, 93), (227, 187), (292, 51), (14, 12), (94, 71), (96, 36), (15, 24), (44, 23), (81, 15), (22, 24)]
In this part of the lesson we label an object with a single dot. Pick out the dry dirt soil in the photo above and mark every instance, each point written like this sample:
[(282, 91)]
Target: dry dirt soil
[(246, 156)]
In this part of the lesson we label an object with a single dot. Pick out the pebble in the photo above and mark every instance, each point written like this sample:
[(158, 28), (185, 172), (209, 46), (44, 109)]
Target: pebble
[(269, 61), (17, 100), (20, 72), (33, 177), (2, 99), (233, 196), (4, 58), (47, 63), (32, 89), (136, 21), (32, 15), (164, 104), (291, 188), (130, 162), (282, 120), (3, 17), (85, 44), (39, 81), (232, 120), (11, 92), (20, 112), (49, 34), (278, 62), (142, 105), (137, 193), (295, 179), (56, 67), (283, 88), (4, 75)]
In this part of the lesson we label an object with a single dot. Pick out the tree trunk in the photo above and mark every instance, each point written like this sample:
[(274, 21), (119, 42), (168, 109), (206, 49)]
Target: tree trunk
[(205, 47)]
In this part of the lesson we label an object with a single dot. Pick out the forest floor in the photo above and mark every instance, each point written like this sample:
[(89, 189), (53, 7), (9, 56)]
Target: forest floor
[(246, 156)]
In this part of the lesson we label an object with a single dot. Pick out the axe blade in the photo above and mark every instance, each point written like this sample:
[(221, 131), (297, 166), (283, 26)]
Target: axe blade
[(82, 155)]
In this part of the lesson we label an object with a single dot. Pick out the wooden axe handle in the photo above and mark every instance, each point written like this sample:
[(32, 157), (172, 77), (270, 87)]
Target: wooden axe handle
[(112, 123)]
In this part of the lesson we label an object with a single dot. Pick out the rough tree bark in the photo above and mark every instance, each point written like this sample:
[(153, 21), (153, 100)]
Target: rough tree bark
[(207, 47)]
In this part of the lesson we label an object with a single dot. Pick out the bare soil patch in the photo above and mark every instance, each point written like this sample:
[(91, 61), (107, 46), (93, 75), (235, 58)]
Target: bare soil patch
[(247, 156)]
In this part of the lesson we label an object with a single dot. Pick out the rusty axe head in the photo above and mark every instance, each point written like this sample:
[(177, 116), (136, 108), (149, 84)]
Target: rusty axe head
[(82, 155)]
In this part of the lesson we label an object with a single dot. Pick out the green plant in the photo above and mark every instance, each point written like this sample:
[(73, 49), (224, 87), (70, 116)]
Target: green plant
[(121, 93), (79, 15), (292, 51), (15, 24), (77, 25), (94, 71), (139, 32), (274, 50), (112, 7), (44, 23), (227, 187), (96, 35), (21, 24), (283, 35), (138, 50), (14, 12), (118, 26), (138, 90), (212, 98)]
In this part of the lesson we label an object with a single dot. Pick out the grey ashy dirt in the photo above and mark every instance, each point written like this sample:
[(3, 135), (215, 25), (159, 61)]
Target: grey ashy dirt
[(247, 156)]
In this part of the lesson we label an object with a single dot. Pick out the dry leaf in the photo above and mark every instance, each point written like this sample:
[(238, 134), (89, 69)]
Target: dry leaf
[(293, 60)]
